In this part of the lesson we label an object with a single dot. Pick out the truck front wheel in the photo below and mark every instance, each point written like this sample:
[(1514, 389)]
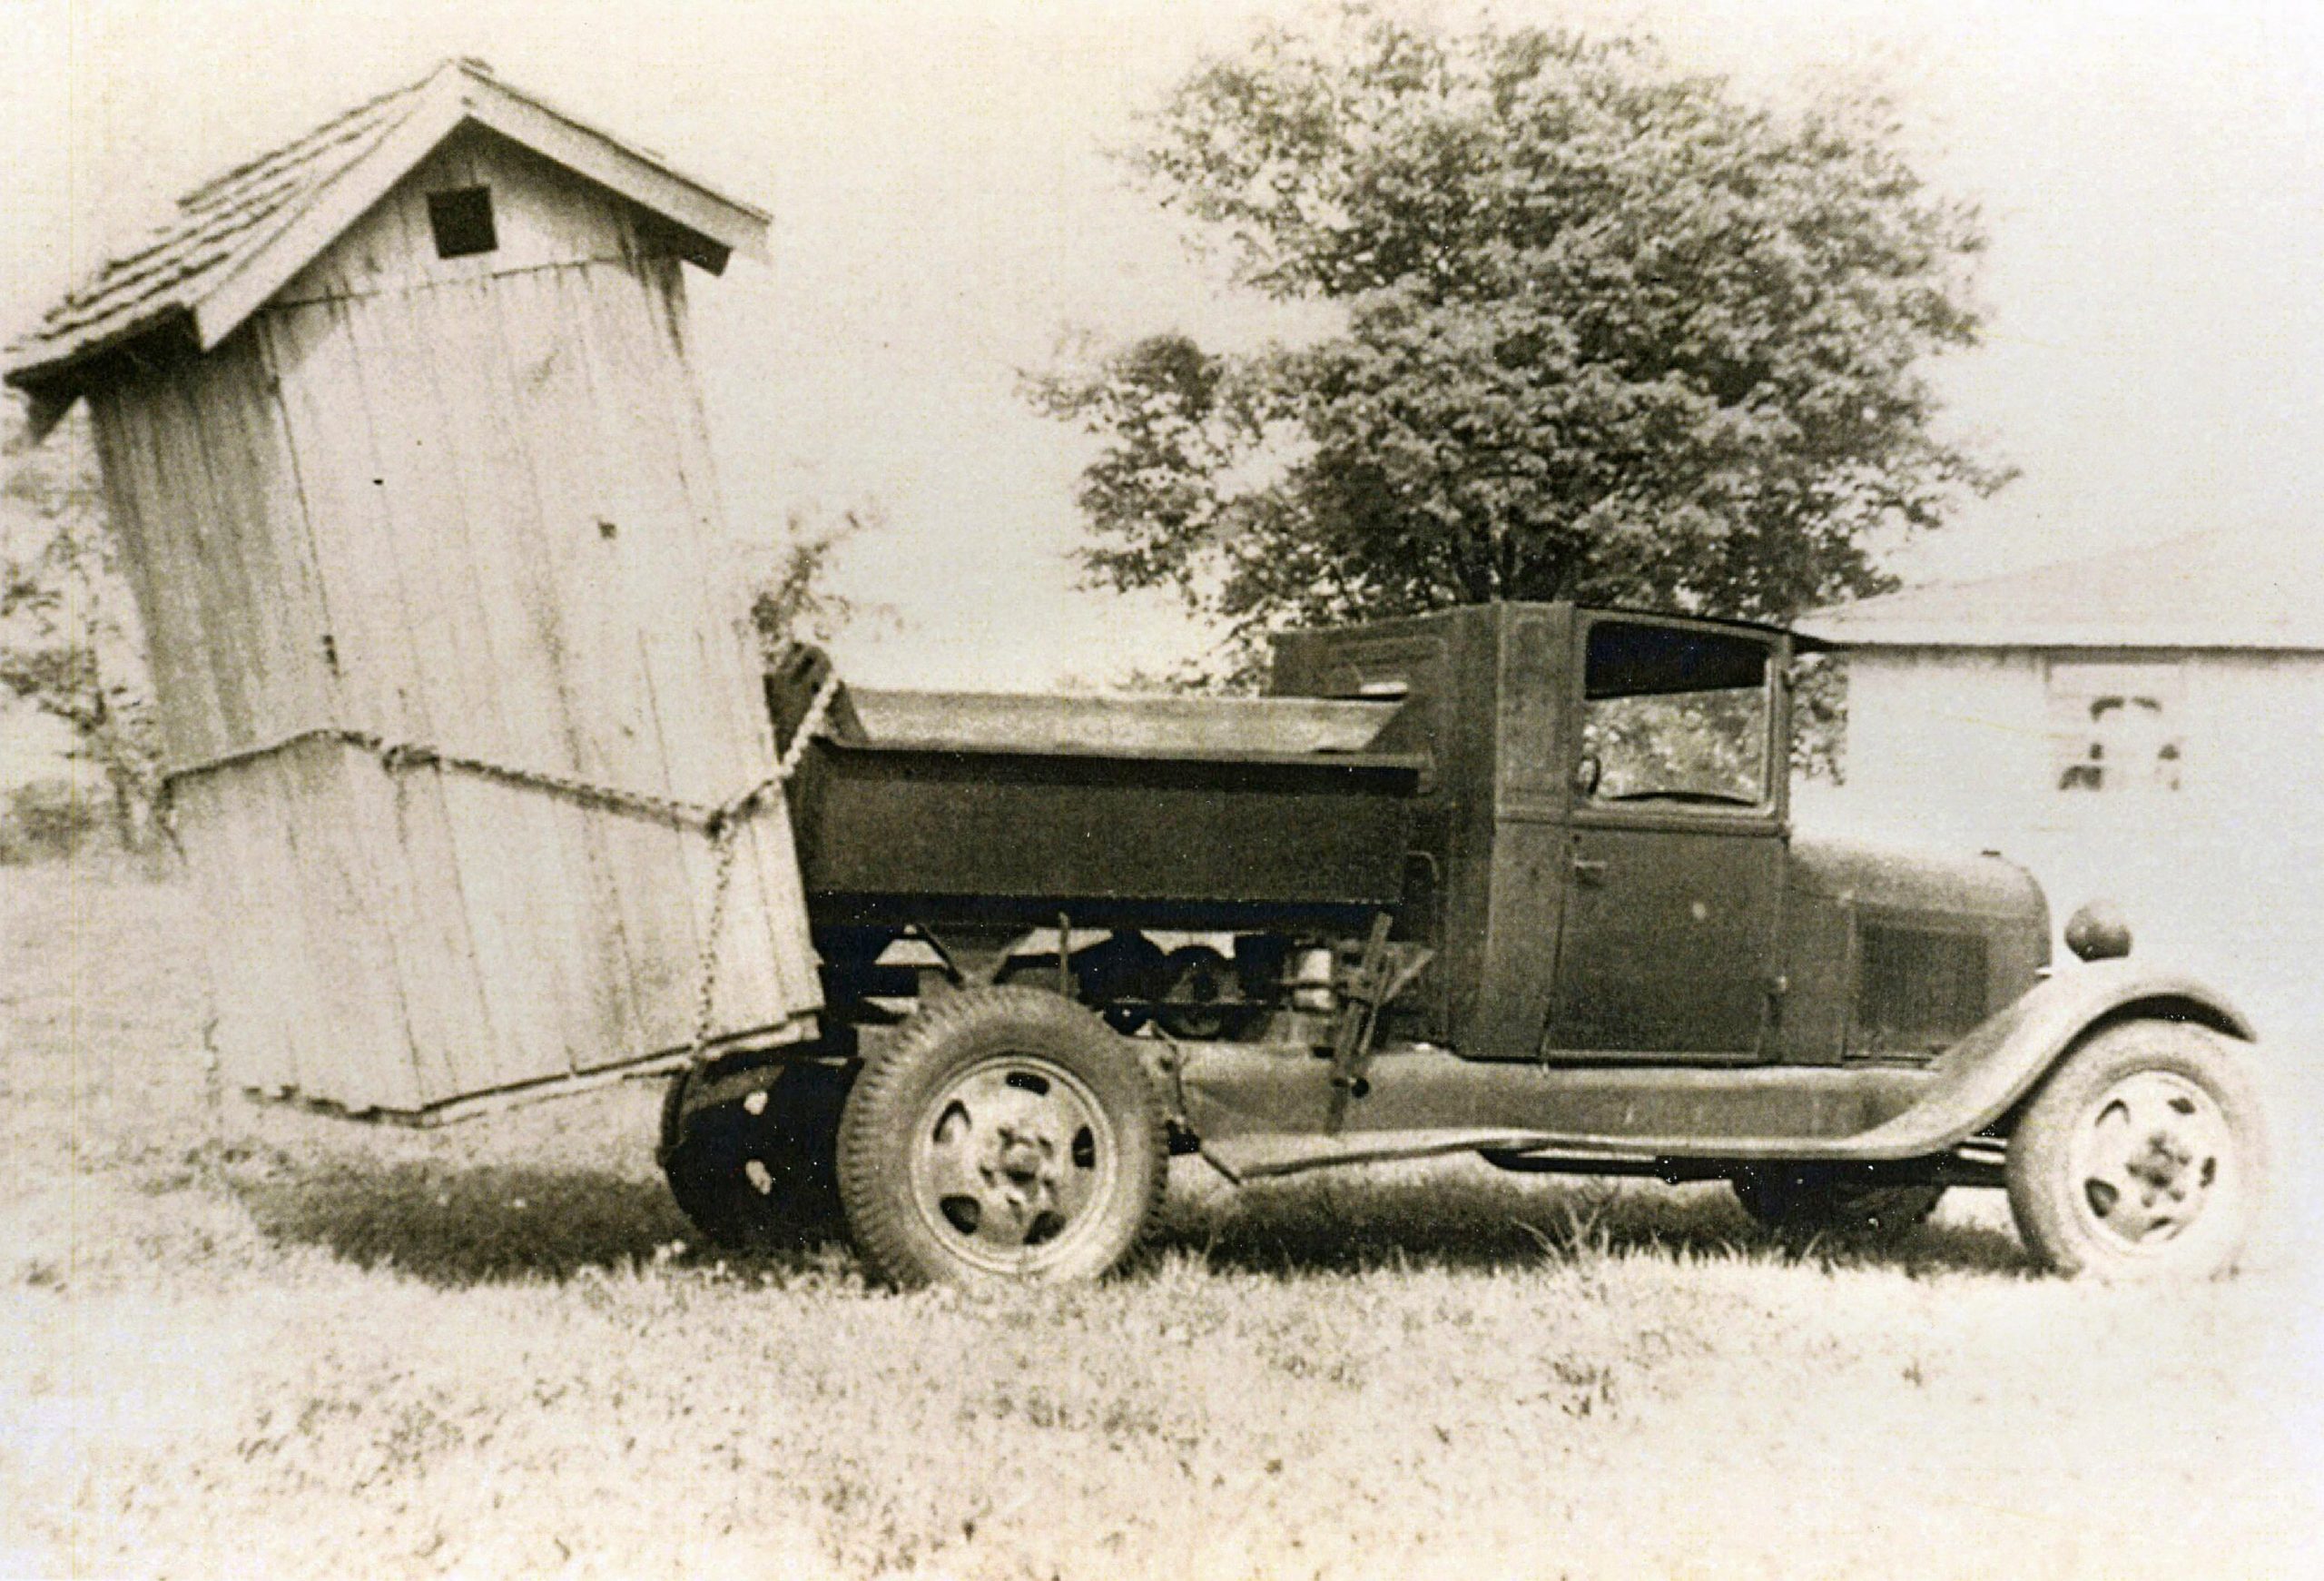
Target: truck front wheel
[(1003, 1133), (2141, 1156)]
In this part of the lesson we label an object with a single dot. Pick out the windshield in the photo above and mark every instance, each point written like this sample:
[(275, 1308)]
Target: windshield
[(1675, 714)]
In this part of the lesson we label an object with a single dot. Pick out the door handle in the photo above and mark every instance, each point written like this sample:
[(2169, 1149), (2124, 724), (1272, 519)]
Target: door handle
[(1589, 870)]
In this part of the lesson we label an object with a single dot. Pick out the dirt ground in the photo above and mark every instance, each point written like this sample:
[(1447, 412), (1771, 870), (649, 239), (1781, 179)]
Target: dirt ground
[(237, 1341)]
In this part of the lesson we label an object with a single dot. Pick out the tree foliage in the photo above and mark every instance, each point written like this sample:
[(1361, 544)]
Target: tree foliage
[(793, 599), (69, 641), (1604, 331)]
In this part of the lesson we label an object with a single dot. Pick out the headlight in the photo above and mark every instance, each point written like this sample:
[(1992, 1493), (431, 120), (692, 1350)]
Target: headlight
[(2098, 932)]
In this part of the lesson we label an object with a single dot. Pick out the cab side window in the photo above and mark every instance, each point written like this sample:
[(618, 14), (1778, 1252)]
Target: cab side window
[(1672, 714)]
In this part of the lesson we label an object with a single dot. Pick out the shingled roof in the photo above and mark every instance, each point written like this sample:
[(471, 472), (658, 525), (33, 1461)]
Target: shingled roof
[(2226, 588), (235, 241)]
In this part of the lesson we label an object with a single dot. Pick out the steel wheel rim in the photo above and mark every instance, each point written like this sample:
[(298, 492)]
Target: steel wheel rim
[(2153, 1157), (1012, 1163)]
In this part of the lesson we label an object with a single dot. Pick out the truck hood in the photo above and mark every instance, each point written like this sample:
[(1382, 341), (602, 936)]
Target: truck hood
[(1894, 953), (1860, 874)]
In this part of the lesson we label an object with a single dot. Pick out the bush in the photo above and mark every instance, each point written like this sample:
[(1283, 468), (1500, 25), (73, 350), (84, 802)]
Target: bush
[(50, 818)]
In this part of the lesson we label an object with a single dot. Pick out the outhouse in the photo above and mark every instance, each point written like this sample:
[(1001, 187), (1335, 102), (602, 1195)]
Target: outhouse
[(410, 475)]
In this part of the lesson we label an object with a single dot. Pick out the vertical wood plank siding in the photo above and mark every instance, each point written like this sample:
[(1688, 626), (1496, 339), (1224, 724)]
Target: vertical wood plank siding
[(466, 503)]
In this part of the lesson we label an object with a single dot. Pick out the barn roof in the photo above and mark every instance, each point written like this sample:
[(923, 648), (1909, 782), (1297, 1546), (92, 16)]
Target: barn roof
[(235, 241), (2225, 589)]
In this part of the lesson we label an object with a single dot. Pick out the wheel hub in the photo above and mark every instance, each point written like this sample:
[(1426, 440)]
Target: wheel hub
[(1019, 1164), (1013, 1152), (2148, 1158), (2161, 1166)]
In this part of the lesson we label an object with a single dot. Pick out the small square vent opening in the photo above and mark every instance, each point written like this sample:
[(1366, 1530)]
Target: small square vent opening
[(462, 220)]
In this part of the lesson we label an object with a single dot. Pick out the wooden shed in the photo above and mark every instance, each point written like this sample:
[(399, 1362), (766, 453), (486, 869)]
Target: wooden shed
[(402, 445)]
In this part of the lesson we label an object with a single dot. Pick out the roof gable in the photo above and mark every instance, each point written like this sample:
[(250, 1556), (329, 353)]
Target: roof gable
[(2250, 589), (236, 240)]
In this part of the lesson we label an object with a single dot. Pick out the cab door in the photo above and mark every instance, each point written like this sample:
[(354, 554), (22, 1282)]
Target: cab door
[(1675, 845)]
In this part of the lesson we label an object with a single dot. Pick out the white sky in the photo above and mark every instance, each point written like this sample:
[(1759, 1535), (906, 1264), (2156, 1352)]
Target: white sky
[(2154, 176)]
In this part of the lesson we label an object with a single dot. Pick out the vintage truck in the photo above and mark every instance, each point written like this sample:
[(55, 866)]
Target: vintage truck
[(1515, 880)]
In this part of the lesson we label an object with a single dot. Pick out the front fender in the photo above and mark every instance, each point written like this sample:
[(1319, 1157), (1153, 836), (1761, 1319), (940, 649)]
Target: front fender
[(1977, 1081)]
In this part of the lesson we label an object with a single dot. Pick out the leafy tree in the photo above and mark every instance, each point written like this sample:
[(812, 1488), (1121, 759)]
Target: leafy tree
[(69, 641), (1603, 329), (792, 598)]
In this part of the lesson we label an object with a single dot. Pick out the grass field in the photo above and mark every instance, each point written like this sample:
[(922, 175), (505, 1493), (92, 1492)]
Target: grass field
[(247, 1342)]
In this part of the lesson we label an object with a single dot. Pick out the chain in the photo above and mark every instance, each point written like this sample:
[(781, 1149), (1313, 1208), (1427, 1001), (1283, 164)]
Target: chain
[(396, 755), (726, 821), (722, 850), (213, 1089), (721, 822)]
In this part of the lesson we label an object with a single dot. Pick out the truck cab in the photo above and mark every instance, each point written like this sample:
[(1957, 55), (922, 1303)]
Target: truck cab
[(1611, 814)]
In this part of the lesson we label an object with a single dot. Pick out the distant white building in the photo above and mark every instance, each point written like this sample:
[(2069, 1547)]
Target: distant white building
[(2147, 725)]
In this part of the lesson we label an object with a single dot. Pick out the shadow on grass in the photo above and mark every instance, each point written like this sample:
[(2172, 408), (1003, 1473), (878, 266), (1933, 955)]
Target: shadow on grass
[(1354, 1223), (476, 1224), (467, 1225)]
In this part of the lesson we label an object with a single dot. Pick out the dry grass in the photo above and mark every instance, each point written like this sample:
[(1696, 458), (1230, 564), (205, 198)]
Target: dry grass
[(255, 1343)]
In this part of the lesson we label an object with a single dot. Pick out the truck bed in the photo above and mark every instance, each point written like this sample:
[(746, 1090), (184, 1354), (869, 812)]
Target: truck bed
[(915, 806), (1129, 726)]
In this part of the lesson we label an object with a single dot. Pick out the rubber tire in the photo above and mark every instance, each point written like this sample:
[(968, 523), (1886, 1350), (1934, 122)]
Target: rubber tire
[(942, 1040), (705, 1152), (2041, 1199), (1849, 1200), (1195, 1020)]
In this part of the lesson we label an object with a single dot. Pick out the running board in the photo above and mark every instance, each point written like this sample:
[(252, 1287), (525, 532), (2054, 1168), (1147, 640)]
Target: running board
[(1261, 1110), (1261, 1156), (1245, 1159)]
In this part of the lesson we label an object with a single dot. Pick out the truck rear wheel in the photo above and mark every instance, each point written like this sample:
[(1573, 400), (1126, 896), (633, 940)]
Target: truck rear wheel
[(2142, 1156), (1817, 1199), (1003, 1133), (751, 1156)]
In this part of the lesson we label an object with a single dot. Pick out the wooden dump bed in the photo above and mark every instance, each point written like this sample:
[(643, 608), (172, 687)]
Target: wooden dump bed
[(1138, 726), (926, 805)]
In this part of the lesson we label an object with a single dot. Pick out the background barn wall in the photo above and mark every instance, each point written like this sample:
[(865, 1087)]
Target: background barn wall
[(1955, 748)]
